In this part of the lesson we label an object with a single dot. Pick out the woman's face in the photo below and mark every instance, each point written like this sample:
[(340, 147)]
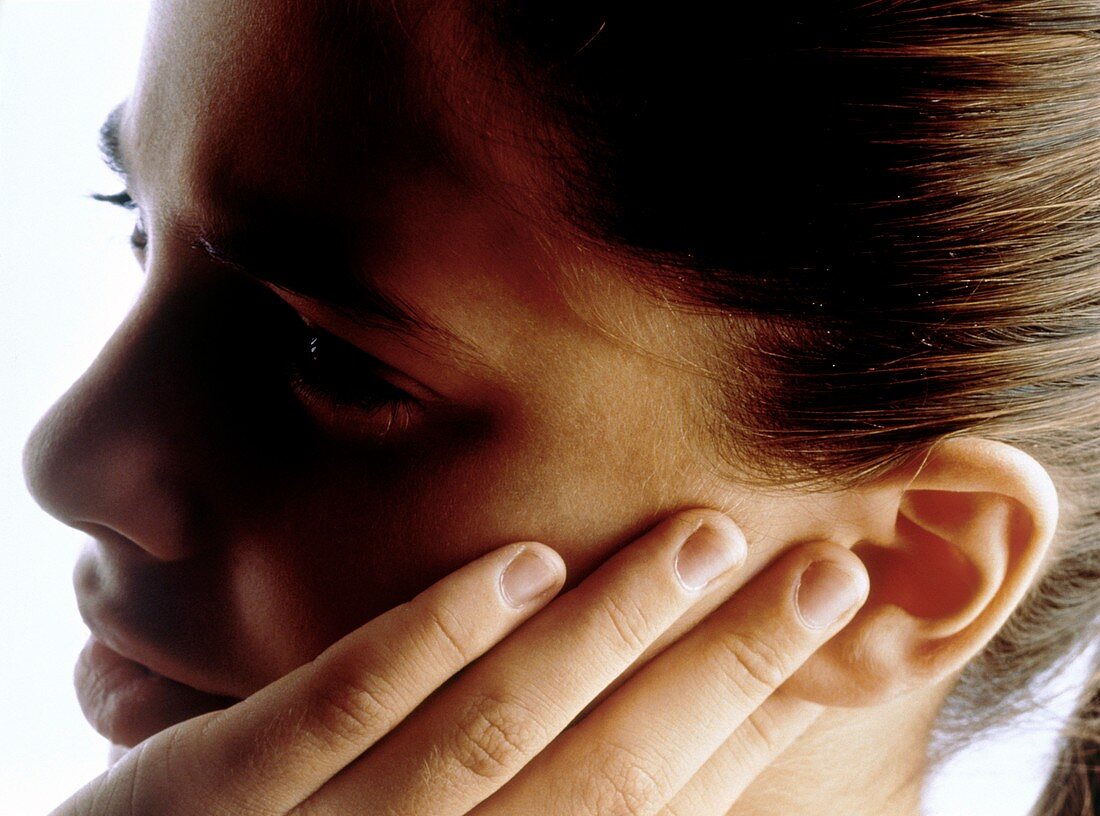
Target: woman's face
[(254, 488)]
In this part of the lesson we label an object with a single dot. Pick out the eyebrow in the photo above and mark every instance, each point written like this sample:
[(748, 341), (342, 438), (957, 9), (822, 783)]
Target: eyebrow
[(110, 143), (291, 269)]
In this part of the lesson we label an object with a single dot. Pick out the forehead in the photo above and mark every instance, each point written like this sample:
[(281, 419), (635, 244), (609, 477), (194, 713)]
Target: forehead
[(393, 128), (326, 125), (273, 100)]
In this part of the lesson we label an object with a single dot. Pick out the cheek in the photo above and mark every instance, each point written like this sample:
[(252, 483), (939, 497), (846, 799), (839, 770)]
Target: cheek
[(360, 531)]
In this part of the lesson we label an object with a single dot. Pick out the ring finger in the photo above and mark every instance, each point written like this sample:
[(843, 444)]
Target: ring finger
[(646, 741)]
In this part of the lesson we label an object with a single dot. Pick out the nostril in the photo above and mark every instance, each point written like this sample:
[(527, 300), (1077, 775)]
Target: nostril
[(108, 537)]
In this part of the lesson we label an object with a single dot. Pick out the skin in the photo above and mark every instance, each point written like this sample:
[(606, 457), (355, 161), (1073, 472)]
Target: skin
[(241, 526), (206, 460)]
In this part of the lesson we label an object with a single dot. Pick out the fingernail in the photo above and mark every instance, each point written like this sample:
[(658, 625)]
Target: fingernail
[(707, 554), (527, 576), (825, 592)]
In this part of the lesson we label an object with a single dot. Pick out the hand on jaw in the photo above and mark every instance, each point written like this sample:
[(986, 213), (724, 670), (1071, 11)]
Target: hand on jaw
[(461, 701)]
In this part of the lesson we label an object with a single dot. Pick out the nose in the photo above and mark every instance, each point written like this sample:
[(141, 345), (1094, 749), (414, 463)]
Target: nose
[(149, 441)]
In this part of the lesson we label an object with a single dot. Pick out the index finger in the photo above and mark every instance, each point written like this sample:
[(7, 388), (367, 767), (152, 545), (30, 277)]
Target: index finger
[(271, 751)]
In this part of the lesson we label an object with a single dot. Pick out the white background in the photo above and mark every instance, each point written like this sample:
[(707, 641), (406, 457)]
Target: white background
[(66, 279)]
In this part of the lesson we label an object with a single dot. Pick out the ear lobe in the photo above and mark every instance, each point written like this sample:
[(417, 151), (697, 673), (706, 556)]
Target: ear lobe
[(970, 531)]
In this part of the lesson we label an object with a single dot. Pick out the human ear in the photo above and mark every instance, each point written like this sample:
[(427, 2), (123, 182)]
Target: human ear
[(970, 531)]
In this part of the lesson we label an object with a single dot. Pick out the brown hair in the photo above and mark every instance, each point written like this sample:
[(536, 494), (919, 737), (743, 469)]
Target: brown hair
[(897, 204)]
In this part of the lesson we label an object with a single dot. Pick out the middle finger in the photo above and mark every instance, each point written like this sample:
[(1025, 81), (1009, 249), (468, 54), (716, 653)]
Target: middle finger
[(474, 735), (641, 745)]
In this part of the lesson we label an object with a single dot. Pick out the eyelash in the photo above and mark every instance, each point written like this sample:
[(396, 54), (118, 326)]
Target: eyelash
[(139, 240), (328, 375)]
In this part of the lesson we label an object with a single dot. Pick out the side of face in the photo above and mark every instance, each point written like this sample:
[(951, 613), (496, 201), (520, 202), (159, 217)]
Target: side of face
[(241, 521)]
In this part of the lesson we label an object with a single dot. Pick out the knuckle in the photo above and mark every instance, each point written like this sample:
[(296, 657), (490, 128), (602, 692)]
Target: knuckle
[(761, 734), (629, 622), (625, 783), (446, 629), (757, 667), (494, 737), (351, 707)]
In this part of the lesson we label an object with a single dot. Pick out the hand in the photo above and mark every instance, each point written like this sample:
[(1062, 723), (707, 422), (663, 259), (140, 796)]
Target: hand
[(359, 730)]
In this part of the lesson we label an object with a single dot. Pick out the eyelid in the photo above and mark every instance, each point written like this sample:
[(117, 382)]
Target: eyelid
[(364, 397), (392, 376), (315, 314), (349, 421)]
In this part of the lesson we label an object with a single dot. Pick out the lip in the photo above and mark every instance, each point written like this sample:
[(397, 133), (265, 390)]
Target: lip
[(129, 685), (128, 702)]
